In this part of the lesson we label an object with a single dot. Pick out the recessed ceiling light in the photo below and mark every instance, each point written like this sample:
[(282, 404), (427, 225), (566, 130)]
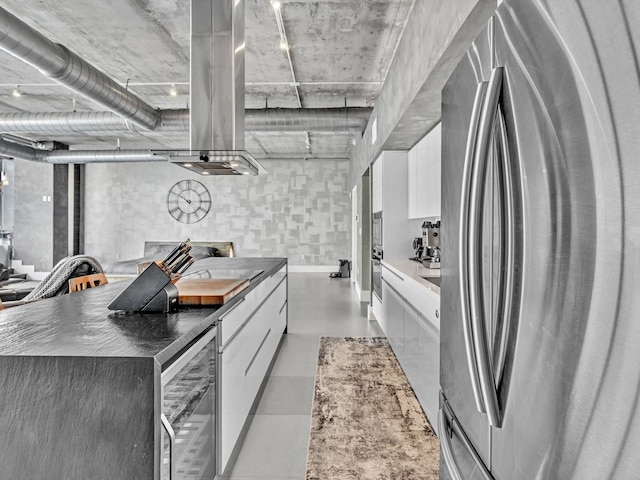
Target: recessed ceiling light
[(276, 5), (205, 173), (188, 165), (173, 91), (245, 172), (284, 45), (16, 92)]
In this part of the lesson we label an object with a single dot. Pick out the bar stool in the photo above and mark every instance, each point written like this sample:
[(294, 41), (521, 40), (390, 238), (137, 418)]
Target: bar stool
[(87, 281)]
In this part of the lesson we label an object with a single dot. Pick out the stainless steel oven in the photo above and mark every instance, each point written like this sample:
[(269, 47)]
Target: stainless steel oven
[(376, 255), (376, 241), (376, 275)]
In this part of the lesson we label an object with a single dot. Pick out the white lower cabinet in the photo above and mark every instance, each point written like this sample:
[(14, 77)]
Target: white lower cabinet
[(421, 360), (410, 359), (233, 405), (393, 313), (412, 331), (428, 384), (244, 361)]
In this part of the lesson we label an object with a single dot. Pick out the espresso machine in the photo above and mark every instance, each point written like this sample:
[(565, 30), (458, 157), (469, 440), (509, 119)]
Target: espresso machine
[(431, 244)]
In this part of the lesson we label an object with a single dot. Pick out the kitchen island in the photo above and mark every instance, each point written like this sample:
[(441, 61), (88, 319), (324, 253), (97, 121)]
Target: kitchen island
[(89, 393)]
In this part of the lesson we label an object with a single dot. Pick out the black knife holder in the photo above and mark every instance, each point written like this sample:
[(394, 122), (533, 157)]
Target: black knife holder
[(151, 291)]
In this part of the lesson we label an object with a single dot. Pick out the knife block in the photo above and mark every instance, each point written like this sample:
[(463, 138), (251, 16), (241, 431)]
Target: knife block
[(151, 291)]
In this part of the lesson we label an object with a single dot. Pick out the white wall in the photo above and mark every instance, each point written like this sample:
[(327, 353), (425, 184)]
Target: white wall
[(300, 210), (33, 217)]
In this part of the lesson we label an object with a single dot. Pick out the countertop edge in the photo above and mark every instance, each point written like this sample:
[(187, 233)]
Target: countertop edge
[(192, 335), (411, 269)]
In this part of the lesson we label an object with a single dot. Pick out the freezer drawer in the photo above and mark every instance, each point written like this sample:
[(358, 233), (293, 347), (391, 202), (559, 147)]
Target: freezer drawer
[(458, 458)]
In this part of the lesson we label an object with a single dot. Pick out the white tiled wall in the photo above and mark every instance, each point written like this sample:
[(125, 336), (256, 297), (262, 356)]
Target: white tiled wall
[(300, 210)]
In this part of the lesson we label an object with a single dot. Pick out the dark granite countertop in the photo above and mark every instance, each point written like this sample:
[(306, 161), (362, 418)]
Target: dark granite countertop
[(80, 324)]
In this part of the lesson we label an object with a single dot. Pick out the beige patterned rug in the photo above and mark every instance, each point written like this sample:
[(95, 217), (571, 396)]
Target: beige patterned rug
[(366, 422)]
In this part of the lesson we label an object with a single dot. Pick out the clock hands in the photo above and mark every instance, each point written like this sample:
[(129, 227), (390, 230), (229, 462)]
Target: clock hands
[(188, 201)]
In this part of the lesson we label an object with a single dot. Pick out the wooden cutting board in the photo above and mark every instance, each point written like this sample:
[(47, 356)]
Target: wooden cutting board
[(208, 291)]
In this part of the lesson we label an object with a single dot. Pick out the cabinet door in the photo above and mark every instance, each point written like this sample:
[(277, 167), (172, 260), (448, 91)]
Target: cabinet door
[(411, 357), (428, 386), (433, 165), (279, 322), (234, 406), (378, 312), (256, 363), (412, 183), (376, 183), (393, 311), (422, 175)]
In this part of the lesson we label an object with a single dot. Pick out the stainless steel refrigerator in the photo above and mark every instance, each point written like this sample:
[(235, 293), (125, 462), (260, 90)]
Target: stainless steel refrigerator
[(540, 296)]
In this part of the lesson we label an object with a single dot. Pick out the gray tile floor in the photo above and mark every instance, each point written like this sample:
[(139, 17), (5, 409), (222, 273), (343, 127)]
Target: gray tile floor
[(275, 447)]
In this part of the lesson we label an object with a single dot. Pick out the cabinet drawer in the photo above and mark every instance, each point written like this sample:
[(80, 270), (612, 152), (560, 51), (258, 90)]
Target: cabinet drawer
[(233, 403), (428, 387), (235, 318), (280, 295), (274, 280), (280, 323), (393, 312), (232, 320), (279, 275), (394, 279), (424, 301)]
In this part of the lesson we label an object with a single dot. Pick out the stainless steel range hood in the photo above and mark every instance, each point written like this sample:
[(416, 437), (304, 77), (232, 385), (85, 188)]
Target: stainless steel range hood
[(217, 92), (215, 162)]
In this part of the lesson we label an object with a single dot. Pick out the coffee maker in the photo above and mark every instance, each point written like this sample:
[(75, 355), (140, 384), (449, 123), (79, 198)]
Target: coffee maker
[(431, 244)]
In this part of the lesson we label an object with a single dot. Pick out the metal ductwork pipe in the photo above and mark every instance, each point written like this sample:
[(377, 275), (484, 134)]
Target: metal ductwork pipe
[(350, 119), (64, 122), (13, 150), (101, 156), (58, 63)]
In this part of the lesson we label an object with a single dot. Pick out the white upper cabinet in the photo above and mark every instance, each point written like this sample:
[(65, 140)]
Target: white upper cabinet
[(424, 176), (376, 186), (389, 195)]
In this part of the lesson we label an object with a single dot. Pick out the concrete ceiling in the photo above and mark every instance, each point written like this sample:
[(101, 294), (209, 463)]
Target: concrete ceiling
[(341, 51)]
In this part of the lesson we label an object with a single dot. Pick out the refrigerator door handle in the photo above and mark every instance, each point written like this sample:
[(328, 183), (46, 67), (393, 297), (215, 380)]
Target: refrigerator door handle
[(463, 273), (505, 312), (480, 161)]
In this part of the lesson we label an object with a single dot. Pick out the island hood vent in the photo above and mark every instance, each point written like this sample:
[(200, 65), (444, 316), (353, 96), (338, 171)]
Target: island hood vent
[(217, 91)]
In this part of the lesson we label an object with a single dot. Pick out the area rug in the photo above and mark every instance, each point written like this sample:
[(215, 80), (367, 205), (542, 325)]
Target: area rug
[(366, 422)]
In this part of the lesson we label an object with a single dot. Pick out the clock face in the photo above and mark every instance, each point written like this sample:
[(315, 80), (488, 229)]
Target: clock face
[(188, 201)]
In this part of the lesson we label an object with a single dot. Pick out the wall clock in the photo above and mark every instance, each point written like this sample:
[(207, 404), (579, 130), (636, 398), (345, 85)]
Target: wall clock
[(188, 201)]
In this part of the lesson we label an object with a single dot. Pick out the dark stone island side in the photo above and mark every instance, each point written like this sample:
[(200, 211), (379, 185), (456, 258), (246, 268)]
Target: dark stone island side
[(80, 384)]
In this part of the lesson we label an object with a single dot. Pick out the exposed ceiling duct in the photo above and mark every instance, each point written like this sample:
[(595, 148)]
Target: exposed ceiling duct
[(217, 117), (58, 63), (346, 119), (14, 150)]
